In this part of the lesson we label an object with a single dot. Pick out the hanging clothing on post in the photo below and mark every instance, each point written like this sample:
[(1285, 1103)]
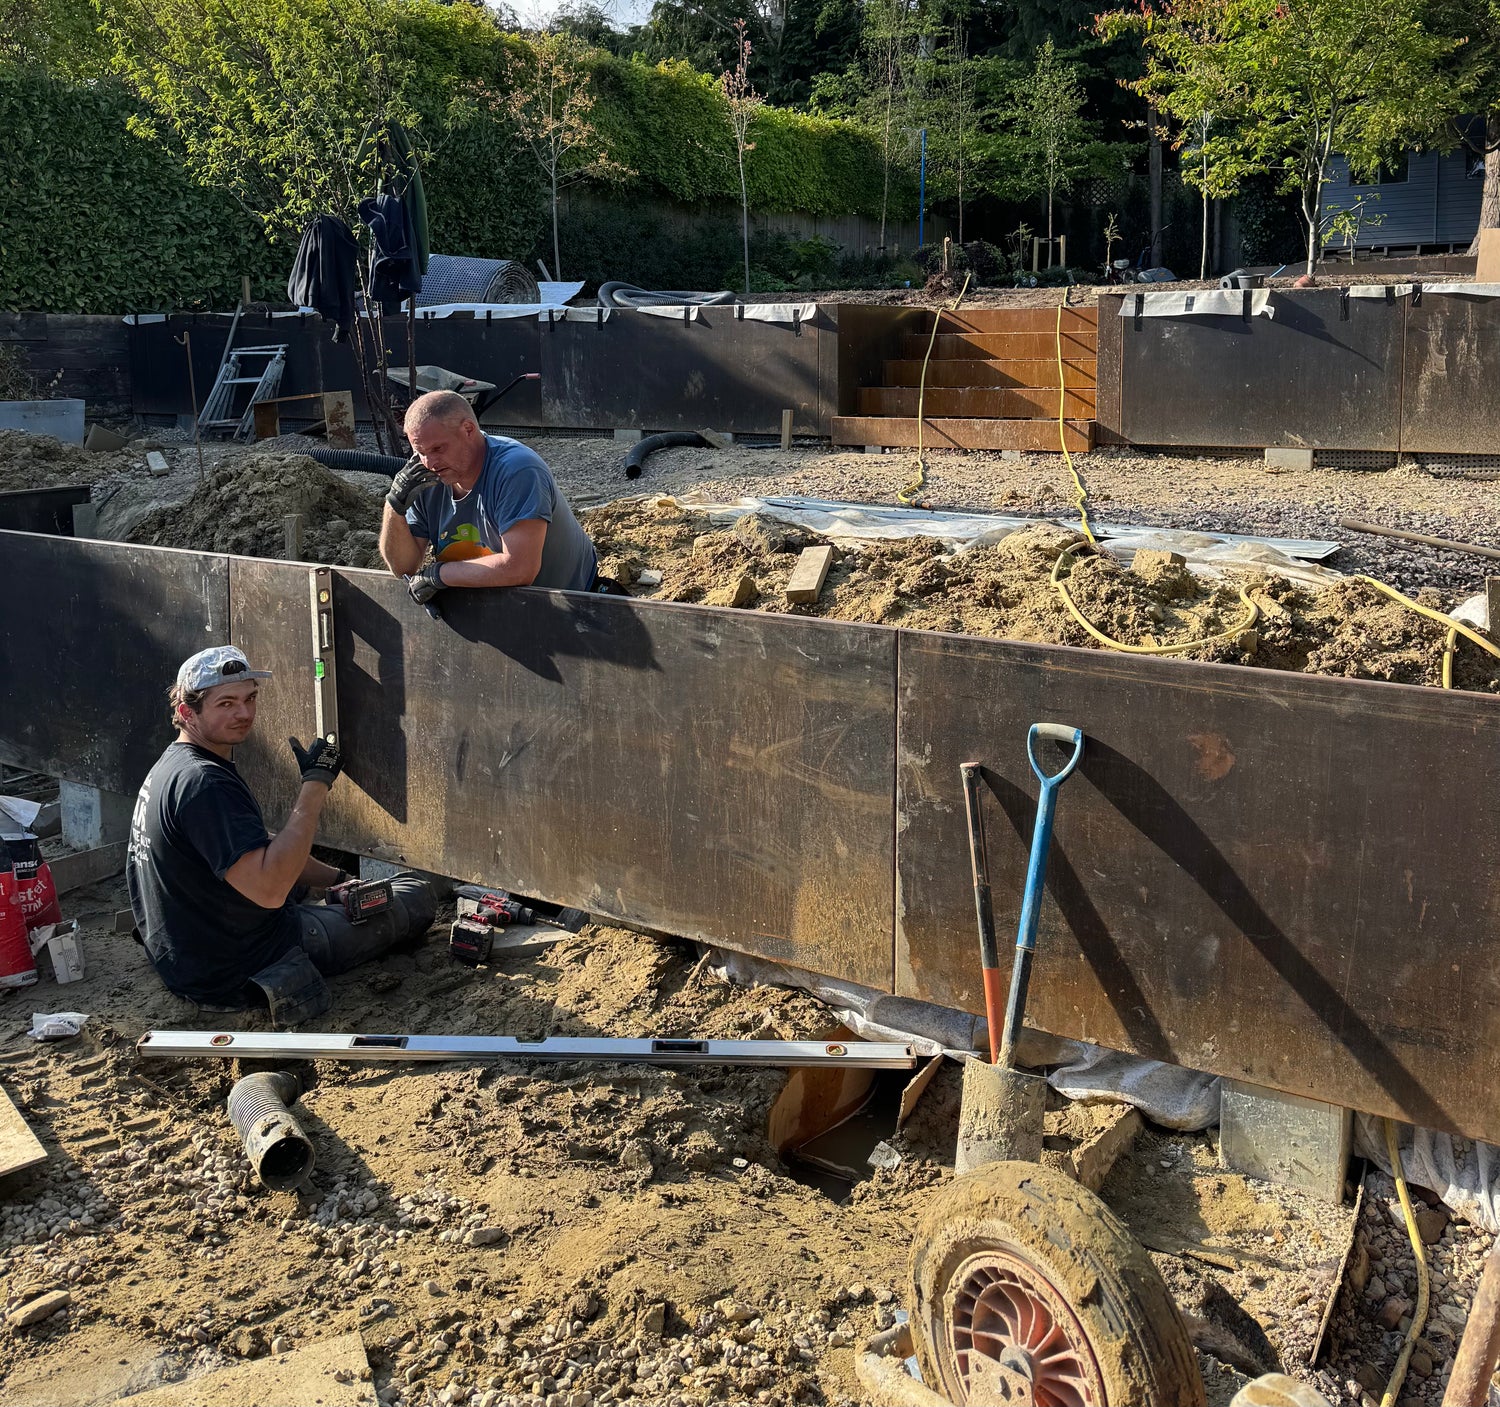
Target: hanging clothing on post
[(393, 258), (325, 272)]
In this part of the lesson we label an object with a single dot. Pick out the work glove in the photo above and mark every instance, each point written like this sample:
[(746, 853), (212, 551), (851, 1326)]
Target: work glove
[(409, 481), (322, 762), (426, 584)]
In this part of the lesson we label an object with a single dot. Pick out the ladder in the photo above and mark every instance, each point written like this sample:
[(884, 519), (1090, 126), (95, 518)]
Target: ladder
[(239, 369)]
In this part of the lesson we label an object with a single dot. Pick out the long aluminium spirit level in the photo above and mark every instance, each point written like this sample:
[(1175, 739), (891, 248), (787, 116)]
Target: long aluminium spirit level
[(320, 1045)]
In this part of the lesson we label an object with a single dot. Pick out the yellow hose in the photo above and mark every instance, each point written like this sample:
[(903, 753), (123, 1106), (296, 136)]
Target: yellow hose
[(1252, 614), (1455, 627), (908, 495), (1081, 501), (1419, 1315)]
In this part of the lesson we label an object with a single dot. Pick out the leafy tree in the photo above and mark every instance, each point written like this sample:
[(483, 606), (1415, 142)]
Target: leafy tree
[(1297, 83), (890, 41), (59, 36), (741, 101), (1475, 69), (1050, 133), (955, 118), (551, 102)]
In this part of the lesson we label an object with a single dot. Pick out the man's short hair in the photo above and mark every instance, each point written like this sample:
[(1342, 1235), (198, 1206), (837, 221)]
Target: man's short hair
[(447, 406), (180, 694)]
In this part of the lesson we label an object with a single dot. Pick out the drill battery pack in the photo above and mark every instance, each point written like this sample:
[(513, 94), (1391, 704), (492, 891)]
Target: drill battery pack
[(361, 899)]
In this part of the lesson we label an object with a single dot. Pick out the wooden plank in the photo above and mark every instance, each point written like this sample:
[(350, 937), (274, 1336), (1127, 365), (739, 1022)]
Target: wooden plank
[(716, 773), (809, 574), (83, 867), (1002, 346), (901, 432), (976, 402), (1078, 372), (141, 612), (19, 1147), (1240, 881)]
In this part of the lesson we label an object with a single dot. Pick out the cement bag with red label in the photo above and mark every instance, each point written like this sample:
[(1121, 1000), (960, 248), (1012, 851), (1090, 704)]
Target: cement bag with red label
[(33, 880), (16, 966)]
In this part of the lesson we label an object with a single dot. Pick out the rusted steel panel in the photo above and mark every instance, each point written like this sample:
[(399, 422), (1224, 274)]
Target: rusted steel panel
[(1324, 373), (975, 402), (1286, 879), (1108, 422), (707, 773), (970, 371), (1002, 346), (1045, 320), (869, 336), (91, 635), (1039, 434), (657, 373), (1452, 402)]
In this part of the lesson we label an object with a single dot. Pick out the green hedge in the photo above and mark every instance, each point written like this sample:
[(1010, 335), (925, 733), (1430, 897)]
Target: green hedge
[(101, 217), (98, 220)]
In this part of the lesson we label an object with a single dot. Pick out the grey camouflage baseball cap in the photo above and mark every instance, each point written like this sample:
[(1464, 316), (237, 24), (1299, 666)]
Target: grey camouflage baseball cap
[(220, 664)]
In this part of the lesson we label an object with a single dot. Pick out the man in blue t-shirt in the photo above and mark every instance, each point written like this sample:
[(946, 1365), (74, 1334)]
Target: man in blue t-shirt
[(488, 506)]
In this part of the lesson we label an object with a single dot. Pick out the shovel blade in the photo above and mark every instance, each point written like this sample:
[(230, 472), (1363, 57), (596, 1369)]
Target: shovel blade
[(1000, 1119)]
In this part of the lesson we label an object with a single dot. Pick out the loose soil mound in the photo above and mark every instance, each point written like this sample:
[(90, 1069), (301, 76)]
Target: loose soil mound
[(1004, 589), (243, 504), (30, 461)]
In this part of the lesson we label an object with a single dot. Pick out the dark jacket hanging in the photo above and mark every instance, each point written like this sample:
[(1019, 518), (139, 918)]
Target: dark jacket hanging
[(325, 272)]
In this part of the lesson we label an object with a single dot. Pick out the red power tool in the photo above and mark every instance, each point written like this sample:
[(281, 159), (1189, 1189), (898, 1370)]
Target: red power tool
[(480, 913), (361, 899)]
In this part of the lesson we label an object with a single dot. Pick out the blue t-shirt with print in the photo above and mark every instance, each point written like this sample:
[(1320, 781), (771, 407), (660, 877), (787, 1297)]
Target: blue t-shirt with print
[(514, 486)]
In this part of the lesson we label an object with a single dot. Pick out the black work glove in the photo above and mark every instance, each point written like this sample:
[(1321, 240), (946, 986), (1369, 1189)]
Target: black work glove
[(409, 481), (426, 584), (322, 762)]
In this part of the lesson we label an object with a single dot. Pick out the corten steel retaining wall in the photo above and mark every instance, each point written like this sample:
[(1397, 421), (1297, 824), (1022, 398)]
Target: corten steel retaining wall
[(74, 355), (1282, 878), (633, 371), (1329, 371)]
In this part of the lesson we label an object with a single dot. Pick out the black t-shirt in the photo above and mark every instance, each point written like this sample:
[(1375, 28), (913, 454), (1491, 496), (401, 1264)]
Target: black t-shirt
[(193, 819)]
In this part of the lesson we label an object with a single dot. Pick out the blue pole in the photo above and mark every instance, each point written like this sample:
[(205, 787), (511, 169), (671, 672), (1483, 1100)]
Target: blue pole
[(921, 187)]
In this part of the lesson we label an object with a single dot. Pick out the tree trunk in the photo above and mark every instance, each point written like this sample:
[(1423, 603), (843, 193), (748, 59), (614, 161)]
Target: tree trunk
[(1489, 203), (557, 272), (1153, 167), (1312, 202), (1218, 254), (745, 218), (1203, 253)]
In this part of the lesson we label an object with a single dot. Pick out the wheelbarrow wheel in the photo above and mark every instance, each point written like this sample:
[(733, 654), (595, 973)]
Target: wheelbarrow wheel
[(1027, 1288)]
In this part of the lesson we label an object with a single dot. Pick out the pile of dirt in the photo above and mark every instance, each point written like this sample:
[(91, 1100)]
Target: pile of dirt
[(242, 506), (30, 461), (1004, 589)]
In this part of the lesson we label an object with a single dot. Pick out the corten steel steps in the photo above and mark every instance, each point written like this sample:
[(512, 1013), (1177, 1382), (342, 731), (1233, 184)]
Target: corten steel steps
[(991, 384)]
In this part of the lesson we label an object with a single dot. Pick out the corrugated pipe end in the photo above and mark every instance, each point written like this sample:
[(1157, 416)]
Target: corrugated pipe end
[(281, 1154)]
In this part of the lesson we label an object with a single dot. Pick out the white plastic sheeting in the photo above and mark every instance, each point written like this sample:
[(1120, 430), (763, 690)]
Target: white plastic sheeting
[(1212, 302), (1166, 1094), (1464, 1172)]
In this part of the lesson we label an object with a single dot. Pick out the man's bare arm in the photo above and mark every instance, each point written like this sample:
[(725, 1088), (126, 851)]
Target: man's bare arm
[(266, 876), (402, 549)]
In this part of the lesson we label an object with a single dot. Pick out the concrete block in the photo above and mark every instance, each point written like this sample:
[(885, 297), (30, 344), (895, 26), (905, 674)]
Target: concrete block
[(1300, 1143), (1289, 459), (369, 868), (157, 464), (627, 437), (92, 817)]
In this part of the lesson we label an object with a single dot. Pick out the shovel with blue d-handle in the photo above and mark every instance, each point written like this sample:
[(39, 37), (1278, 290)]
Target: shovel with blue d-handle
[(1000, 1119)]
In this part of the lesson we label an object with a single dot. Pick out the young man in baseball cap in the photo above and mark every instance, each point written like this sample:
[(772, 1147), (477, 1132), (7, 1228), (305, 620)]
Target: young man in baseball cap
[(214, 893)]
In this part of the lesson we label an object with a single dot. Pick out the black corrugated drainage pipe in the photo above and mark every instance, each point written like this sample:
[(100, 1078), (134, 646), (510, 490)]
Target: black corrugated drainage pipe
[(388, 464), (281, 1154), (635, 461)]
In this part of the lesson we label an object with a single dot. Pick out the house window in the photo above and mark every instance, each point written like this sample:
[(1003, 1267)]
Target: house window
[(1387, 174)]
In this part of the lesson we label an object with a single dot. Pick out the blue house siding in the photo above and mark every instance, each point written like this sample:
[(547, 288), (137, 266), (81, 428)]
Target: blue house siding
[(1437, 204)]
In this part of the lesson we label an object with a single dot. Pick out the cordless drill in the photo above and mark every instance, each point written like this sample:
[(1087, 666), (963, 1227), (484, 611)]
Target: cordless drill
[(361, 899), (480, 912)]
